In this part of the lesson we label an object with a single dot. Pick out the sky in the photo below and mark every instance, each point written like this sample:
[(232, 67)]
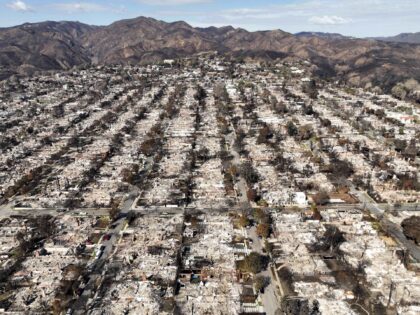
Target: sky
[(359, 18)]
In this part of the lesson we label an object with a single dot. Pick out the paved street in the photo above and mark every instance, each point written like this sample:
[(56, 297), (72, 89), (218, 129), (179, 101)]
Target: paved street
[(240, 186), (391, 228), (269, 297), (97, 267)]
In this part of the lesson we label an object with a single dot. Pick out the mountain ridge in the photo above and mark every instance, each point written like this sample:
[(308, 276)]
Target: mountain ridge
[(31, 47), (410, 38)]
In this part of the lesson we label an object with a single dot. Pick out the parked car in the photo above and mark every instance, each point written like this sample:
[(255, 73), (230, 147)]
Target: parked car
[(107, 237)]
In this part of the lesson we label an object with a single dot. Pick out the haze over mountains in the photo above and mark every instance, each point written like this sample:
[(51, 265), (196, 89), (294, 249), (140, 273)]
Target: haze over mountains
[(412, 38), (27, 48)]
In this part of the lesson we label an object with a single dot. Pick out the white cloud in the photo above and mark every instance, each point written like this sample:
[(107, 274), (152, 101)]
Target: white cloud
[(79, 7), (360, 18), (172, 2), (247, 13), (19, 5), (328, 20)]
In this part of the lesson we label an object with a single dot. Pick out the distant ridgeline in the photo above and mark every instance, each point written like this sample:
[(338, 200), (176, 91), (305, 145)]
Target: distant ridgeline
[(28, 48)]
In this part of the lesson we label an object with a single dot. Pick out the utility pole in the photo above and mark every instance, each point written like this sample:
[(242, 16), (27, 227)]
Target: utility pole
[(390, 293)]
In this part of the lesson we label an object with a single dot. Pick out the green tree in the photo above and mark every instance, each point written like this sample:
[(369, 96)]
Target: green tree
[(292, 130), (249, 173), (254, 263)]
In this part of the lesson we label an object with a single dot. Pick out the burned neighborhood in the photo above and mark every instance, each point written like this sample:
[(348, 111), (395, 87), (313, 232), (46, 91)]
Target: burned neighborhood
[(207, 185)]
